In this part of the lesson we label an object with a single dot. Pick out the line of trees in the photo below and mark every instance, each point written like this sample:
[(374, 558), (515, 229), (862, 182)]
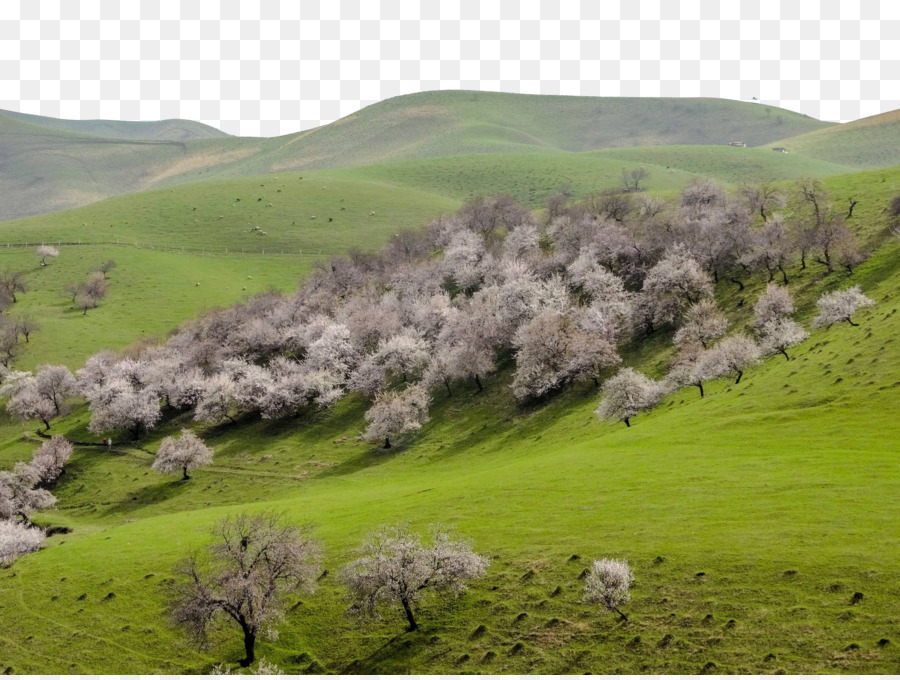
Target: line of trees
[(245, 579), (449, 304)]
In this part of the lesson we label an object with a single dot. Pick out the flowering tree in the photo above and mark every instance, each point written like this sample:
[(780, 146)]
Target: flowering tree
[(46, 252), (551, 351), (733, 355), (774, 304), (394, 567), (394, 414), (119, 405), (244, 578), (703, 323), (691, 366), (49, 460), (182, 454), (626, 394), (840, 306), (778, 335), (18, 539), (218, 401), (18, 495), (608, 584), (674, 283)]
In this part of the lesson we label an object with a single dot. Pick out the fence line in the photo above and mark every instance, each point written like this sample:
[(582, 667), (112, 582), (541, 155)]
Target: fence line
[(312, 252)]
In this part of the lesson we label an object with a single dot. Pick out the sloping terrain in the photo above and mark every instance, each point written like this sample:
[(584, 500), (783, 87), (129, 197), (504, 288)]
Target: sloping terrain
[(751, 517), (872, 142), (48, 165), (162, 130)]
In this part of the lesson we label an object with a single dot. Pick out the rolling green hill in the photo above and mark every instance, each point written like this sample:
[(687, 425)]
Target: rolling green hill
[(48, 165), (751, 517), (169, 130), (184, 249), (872, 142)]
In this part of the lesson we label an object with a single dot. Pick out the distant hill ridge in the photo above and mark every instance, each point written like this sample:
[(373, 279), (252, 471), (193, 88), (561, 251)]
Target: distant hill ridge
[(161, 130), (48, 164)]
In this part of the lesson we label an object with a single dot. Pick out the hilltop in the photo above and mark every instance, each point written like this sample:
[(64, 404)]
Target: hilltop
[(48, 165), (872, 142), (162, 130)]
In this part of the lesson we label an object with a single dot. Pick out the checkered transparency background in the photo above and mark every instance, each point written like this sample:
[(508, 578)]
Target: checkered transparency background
[(270, 67)]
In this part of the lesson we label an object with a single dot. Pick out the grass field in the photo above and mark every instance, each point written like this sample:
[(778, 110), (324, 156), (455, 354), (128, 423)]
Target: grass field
[(750, 517)]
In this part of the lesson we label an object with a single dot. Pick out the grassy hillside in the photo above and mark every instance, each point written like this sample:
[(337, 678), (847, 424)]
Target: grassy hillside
[(531, 177), (172, 129), (750, 518), (871, 142), (294, 212), (48, 165), (154, 286)]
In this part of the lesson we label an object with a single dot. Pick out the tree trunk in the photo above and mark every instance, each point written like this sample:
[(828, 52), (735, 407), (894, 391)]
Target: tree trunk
[(478, 382), (785, 354), (387, 443), (849, 215), (249, 647), (409, 614), (740, 375), (784, 275), (627, 423), (46, 424), (619, 612), (850, 321), (85, 312), (447, 385), (184, 472), (700, 385), (802, 259)]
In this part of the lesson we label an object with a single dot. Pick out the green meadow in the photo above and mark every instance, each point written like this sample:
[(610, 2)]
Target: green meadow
[(760, 521)]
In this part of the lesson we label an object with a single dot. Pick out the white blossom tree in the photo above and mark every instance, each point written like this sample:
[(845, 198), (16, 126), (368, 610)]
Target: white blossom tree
[(692, 365), (218, 401), (394, 567), (674, 283), (733, 355), (181, 454), (19, 497), (244, 578), (774, 304), (119, 405), (609, 584), (46, 252), (626, 394), (840, 306), (703, 323), (779, 335), (551, 351), (18, 539), (50, 460), (395, 413)]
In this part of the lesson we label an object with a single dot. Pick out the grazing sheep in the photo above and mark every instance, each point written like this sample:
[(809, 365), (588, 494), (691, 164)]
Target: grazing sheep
[(197, 285), (258, 200), (372, 213), (249, 277), (331, 219), (312, 217)]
